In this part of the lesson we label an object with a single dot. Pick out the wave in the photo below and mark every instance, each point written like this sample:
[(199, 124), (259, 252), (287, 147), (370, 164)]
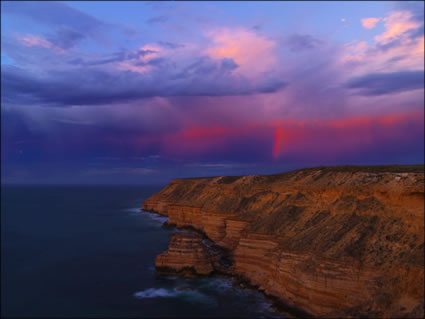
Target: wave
[(187, 295), (152, 216), (133, 210), (155, 217), (219, 283), (155, 292)]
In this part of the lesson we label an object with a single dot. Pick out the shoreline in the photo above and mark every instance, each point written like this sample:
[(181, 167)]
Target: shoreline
[(237, 280)]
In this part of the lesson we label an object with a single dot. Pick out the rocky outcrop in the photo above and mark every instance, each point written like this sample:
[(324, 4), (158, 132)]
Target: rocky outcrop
[(186, 254), (339, 241)]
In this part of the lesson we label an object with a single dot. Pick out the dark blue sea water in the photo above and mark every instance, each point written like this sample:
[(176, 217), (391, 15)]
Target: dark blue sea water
[(88, 251)]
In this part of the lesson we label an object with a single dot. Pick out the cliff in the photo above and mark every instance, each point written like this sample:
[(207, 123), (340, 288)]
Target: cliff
[(186, 254), (331, 241)]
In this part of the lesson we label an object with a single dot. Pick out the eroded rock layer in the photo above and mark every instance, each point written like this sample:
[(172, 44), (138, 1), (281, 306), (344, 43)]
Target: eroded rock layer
[(339, 241), (186, 254)]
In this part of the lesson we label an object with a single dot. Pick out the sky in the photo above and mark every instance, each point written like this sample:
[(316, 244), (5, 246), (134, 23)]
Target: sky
[(145, 92)]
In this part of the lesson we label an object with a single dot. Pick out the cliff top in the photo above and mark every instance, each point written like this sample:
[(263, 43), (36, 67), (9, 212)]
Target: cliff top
[(374, 169), (354, 212)]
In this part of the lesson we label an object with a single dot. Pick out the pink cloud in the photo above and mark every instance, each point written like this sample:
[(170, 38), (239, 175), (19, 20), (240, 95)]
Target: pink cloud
[(396, 24), (370, 23), (31, 40), (252, 52), (35, 41), (394, 50), (156, 52)]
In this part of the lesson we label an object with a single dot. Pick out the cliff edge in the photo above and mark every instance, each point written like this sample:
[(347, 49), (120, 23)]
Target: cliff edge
[(330, 241)]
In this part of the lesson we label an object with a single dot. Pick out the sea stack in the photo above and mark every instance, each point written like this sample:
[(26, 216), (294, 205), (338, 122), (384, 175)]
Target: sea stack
[(185, 255)]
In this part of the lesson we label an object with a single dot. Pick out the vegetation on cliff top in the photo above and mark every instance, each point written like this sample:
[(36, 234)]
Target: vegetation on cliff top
[(417, 168)]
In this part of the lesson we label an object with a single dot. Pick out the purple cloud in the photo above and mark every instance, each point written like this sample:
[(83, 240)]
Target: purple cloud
[(387, 83), (204, 77), (301, 42), (66, 38), (217, 93)]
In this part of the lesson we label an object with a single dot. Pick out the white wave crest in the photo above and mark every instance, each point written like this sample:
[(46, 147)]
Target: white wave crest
[(133, 210), (191, 296), (155, 217), (155, 292)]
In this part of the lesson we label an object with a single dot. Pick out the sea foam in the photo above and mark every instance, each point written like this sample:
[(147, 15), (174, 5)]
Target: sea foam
[(133, 210), (153, 216), (191, 296), (155, 292)]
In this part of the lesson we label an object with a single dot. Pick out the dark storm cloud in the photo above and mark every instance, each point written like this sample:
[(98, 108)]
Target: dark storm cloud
[(301, 42), (387, 83), (59, 88), (91, 86)]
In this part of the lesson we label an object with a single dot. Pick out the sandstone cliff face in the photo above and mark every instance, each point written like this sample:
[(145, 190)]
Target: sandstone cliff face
[(185, 254), (345, 241)]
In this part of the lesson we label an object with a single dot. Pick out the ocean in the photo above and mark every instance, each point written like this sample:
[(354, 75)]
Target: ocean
[(89, 251)]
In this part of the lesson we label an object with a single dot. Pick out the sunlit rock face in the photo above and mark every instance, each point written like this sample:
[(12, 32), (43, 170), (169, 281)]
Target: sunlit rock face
[(336, 241), (185, 254)]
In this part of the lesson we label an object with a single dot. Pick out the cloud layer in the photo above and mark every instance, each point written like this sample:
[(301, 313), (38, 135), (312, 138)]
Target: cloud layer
[(183, 94)]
